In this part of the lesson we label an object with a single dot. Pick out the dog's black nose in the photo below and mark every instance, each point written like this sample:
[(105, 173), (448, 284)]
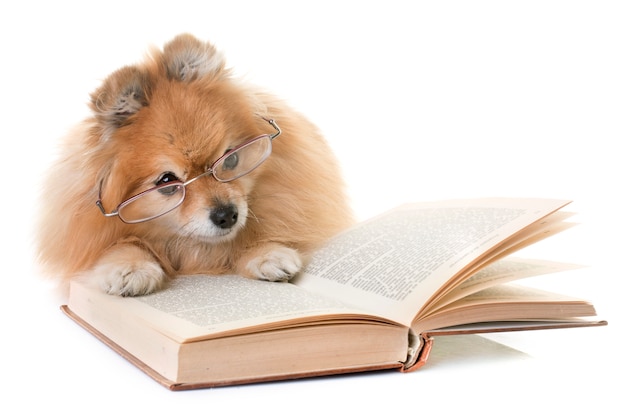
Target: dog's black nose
[(224, 216)]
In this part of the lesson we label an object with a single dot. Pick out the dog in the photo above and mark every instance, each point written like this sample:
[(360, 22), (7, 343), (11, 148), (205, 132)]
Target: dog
[(184, 169)]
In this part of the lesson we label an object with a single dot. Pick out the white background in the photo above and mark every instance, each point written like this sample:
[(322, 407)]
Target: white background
[(421, 101)]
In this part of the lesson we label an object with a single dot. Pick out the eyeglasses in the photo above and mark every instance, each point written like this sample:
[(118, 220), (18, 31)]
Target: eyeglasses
[(163, 198)]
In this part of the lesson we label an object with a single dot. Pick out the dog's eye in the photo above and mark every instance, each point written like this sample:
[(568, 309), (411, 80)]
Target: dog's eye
[(231, 161), (168, 178)]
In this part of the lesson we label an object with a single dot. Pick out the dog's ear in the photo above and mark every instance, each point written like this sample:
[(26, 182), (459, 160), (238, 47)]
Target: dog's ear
[(187, 58), (127, 90), (121, 95)]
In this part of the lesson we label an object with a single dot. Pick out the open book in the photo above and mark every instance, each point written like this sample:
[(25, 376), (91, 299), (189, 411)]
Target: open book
[(372, 298)]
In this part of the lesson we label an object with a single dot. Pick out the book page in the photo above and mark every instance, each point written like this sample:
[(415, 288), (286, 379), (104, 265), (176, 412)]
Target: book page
[(500, 272), (200, 306), (394, 263), (508, 302)]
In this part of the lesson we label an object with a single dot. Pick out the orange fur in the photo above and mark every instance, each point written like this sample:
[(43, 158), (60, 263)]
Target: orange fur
[(179, 111)]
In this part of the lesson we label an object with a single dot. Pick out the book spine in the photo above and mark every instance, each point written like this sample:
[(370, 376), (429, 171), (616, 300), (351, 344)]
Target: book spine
[(418, 352)]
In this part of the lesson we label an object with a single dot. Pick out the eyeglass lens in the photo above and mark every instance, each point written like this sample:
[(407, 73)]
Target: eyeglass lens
[(243, 159), (152, 203)]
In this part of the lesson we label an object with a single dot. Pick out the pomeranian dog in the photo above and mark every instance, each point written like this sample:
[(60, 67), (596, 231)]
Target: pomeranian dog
[(183, 169)]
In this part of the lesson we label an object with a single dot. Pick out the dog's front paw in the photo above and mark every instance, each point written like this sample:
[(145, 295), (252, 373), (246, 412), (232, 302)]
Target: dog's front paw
[(132, 280), (278, 264), (127, 271)]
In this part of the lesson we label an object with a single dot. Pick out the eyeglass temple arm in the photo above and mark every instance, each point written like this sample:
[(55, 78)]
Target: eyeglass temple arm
[(278, 130), (101, 207)]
